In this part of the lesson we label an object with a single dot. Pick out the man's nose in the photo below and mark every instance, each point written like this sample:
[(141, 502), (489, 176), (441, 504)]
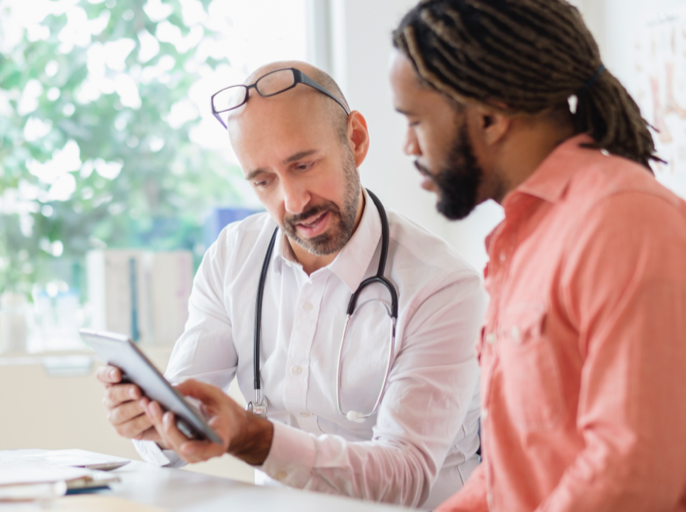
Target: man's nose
[(295, 196), (411, 145)]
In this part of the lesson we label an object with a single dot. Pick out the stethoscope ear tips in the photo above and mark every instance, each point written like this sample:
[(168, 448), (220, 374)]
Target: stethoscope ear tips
[(355, 416)]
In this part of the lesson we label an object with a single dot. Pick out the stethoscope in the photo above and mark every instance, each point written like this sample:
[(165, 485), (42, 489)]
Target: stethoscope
[(259, 406)]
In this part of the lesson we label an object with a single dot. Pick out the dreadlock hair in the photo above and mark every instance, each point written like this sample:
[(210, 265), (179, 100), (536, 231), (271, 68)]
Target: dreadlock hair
[(523, 57)]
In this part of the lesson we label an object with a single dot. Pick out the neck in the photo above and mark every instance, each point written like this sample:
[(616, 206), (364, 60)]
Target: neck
[(525, 150), (313, 262)]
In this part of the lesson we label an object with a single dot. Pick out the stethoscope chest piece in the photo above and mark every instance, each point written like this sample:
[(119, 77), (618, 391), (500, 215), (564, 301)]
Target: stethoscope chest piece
[(259, 406)]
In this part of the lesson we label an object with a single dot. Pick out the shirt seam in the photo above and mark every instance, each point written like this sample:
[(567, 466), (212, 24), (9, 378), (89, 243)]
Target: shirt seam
[(583, 222)]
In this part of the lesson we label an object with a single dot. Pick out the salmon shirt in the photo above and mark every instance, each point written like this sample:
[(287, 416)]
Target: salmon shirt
[(583, 352)]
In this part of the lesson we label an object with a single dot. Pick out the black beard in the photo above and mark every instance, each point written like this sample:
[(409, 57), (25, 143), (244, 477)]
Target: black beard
[(458, 182), (337, 236)]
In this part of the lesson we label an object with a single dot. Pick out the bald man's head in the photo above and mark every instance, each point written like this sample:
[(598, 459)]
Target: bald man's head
[(334, 113)]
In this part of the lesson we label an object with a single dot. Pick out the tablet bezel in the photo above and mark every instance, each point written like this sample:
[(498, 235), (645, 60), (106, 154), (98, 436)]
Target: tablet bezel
[(118, 350)]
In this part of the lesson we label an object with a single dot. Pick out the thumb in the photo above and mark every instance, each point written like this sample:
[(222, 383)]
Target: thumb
[(206, 393)]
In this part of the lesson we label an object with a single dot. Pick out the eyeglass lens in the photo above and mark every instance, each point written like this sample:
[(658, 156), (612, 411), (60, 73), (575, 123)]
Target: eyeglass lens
[(275, 82), (269, 85), (230, 98)]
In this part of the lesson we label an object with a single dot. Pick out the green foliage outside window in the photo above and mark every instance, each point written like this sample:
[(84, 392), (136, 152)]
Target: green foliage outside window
[(89, 168)]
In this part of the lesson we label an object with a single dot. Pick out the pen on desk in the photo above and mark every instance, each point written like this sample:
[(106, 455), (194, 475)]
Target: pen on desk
[(32, 492)]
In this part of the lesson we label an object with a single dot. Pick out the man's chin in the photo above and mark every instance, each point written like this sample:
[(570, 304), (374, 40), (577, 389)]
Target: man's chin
[(321, 245), (453, 210)]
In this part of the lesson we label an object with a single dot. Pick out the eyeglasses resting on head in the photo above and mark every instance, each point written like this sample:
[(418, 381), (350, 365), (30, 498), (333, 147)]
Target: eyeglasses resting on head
[(271, 84)]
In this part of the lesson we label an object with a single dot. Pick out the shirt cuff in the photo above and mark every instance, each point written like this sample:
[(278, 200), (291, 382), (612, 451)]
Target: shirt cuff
[(291, 457), (152, 453)]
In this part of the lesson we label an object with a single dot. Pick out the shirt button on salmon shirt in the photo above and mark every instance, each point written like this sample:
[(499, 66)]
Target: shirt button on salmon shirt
[(583, 354)]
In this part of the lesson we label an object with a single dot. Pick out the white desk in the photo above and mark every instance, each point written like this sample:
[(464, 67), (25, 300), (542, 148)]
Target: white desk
[(184, 491)]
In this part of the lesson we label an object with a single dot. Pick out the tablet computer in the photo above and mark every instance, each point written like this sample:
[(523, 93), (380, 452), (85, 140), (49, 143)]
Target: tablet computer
[(118, 350)]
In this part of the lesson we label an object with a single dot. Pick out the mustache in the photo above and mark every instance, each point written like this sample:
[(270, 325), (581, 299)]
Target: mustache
[(292, 220), (423, 170)]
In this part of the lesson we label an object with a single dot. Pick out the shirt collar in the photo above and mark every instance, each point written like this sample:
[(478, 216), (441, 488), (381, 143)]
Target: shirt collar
[(550, 180), (352, 262), (283, 253)]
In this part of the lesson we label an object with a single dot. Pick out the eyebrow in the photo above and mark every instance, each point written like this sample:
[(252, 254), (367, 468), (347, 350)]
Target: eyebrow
[(252, 174), (404, 112), (293, 158), (300, 155)]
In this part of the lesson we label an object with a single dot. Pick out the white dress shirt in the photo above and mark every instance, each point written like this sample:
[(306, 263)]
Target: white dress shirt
[(419, 447)]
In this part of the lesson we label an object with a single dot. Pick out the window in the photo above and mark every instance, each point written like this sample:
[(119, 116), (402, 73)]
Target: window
[(106, 136)]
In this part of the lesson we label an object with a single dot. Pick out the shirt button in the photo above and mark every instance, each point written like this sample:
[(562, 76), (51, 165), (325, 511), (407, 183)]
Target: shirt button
[(490, 338), (515, 333), (308, 306), (502, 256), (604, 152), (305, 415), (297, 370), (281, 475)]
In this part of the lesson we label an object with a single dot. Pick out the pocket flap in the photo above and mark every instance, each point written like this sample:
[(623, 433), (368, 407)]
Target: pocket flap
[(522, 321)]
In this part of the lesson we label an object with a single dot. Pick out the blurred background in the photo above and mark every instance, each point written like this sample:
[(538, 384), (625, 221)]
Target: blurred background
[(115, 177)]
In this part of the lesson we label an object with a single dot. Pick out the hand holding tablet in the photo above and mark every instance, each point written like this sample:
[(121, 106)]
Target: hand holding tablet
[(119, 351)]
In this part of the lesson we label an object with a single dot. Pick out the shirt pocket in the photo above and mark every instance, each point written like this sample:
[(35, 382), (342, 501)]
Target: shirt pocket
[(531, 378)]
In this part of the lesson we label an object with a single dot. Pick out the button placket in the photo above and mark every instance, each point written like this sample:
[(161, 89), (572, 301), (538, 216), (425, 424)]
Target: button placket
[(301, 341)]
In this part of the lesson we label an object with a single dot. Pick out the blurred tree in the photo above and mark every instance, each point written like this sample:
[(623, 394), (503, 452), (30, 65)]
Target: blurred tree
[(94, 137)]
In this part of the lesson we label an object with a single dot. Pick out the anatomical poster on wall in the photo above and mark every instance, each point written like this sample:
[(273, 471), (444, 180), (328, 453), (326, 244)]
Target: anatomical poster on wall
[(659, 87)]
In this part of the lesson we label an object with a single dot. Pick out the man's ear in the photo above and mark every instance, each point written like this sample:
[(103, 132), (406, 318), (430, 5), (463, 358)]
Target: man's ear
[(358, 136), (491, 125)]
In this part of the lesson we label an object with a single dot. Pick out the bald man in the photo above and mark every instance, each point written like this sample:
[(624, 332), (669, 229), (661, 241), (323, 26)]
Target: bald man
[(407, 434)]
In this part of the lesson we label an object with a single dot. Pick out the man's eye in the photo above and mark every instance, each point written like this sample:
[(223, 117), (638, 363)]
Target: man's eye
[(304, 166), (261, 183)]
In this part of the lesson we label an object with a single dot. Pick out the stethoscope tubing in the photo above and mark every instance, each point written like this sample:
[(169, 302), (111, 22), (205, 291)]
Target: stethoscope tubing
[(259, 406)]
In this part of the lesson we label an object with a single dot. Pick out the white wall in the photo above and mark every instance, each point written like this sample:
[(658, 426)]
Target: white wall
[(624, 18), (361, 49)]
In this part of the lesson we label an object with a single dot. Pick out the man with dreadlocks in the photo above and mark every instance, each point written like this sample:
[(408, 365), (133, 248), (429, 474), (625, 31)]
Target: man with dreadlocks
[(583, 352)]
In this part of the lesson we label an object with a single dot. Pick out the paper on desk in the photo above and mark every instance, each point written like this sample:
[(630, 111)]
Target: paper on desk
[(26, 481), (77, 458), (37, 473), (91, 503), (21, 480), (32, 492)]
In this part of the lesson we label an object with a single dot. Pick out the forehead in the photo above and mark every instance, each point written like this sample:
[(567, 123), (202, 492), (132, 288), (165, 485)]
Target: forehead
[(402, 73), (278, 127), (410, 94)]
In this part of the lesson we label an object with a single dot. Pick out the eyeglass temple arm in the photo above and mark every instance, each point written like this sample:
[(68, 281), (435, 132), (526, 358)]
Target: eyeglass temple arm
[(219, 118), (302, 77)]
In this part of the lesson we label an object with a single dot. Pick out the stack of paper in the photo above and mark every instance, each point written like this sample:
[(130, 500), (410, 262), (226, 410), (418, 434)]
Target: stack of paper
[(21, 480), (75, 458)]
